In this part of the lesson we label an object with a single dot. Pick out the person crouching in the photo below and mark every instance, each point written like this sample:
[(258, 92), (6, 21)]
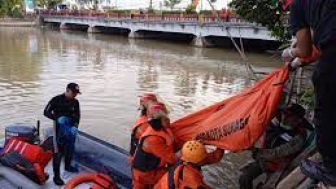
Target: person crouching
[(281, 144)]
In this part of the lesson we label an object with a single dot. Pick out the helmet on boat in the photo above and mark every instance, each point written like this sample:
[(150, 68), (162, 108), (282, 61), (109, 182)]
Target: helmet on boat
[(193, 151), (157, 111)]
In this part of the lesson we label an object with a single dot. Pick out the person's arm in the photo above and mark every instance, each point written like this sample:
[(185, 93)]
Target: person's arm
[(213, 157), (49, 109), (301, 30), (157, 146), (292, 147), (315, 55), (76, 115), (303, 47)]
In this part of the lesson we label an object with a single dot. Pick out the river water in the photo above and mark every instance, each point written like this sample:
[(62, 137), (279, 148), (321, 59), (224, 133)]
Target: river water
[(36, 64)]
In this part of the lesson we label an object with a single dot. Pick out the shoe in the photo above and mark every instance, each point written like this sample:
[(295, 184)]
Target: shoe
[(71, 169), (58, 181), (46, 176), (318, 171)]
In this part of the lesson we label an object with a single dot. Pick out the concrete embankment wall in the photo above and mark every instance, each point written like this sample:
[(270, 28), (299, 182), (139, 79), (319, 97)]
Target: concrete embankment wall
[(17, 22)]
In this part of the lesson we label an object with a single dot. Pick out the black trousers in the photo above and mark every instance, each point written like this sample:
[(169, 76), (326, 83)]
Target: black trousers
[(66, 151), (249, 173), (324, 80)]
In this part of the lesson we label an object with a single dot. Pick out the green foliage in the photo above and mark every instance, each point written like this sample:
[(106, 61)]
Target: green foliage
[(190, 9), (268, 13), (2, 10), (206, 12), (122, 11), (47, 3), (308, 99), (172, 12), (11, 8), (171, 3)]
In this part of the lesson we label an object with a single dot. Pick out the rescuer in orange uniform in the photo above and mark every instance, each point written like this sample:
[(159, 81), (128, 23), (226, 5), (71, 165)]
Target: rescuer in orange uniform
[(155, 151), (141, 124), (187, 173)]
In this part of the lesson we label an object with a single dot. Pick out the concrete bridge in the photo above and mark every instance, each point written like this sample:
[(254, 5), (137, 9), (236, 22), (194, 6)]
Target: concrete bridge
[(143, 26)]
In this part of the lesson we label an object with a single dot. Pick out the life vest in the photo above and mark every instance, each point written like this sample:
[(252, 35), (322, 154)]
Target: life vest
[(34, 154), (140, 120), (145, 161), (276, 136), (138, 130), (182, 176)]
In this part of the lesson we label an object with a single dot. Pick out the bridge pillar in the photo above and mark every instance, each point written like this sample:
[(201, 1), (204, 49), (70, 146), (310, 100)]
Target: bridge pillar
[(39, 21), (64, 26), (135, 35), (200, 41), (93, 29)]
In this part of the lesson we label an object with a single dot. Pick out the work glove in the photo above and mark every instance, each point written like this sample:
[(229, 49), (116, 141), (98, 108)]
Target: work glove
[(287, 55), (295, 63), (74, 131)]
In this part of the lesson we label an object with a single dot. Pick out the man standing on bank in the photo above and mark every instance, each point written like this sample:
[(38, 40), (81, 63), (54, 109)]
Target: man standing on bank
[(314, 22), (64, 110)]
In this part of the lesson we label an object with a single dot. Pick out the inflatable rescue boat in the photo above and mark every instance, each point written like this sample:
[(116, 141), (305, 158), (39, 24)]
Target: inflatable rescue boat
[(100, 164)]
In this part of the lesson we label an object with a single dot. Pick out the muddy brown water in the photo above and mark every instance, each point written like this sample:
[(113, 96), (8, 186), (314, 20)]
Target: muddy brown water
[(36, 64)]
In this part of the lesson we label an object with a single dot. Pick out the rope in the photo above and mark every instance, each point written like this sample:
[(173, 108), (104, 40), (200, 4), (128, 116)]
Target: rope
[(291, 87), (241, 51)]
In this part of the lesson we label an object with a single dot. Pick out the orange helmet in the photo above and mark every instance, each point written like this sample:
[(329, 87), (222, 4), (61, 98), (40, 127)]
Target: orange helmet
[(193, 151), (157, 110)]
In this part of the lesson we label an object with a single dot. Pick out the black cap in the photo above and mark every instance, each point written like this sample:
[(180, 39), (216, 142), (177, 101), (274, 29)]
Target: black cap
[(74, 87), (296, 109)]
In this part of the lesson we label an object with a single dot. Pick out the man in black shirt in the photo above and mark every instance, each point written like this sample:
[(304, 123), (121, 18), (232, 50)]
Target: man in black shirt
[(63, 105), (314, 22)]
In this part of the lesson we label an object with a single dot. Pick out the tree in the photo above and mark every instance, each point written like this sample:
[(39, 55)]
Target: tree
[(268, 13), (47, 3), (2, 10), (171, 3), (11, 8), (190, 9)]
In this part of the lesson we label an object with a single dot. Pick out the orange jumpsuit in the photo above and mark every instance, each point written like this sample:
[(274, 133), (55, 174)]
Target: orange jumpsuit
[(138, 129), (156, 151), (182, 176)]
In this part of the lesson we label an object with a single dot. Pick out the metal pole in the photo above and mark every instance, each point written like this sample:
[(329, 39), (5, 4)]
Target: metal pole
[(150, 4), (161, 7)]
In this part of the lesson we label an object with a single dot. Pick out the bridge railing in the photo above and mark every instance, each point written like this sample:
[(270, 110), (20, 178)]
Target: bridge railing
[(145, 17)]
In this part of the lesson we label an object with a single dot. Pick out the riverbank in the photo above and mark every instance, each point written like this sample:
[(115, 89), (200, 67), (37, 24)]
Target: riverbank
[(17, 22)]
